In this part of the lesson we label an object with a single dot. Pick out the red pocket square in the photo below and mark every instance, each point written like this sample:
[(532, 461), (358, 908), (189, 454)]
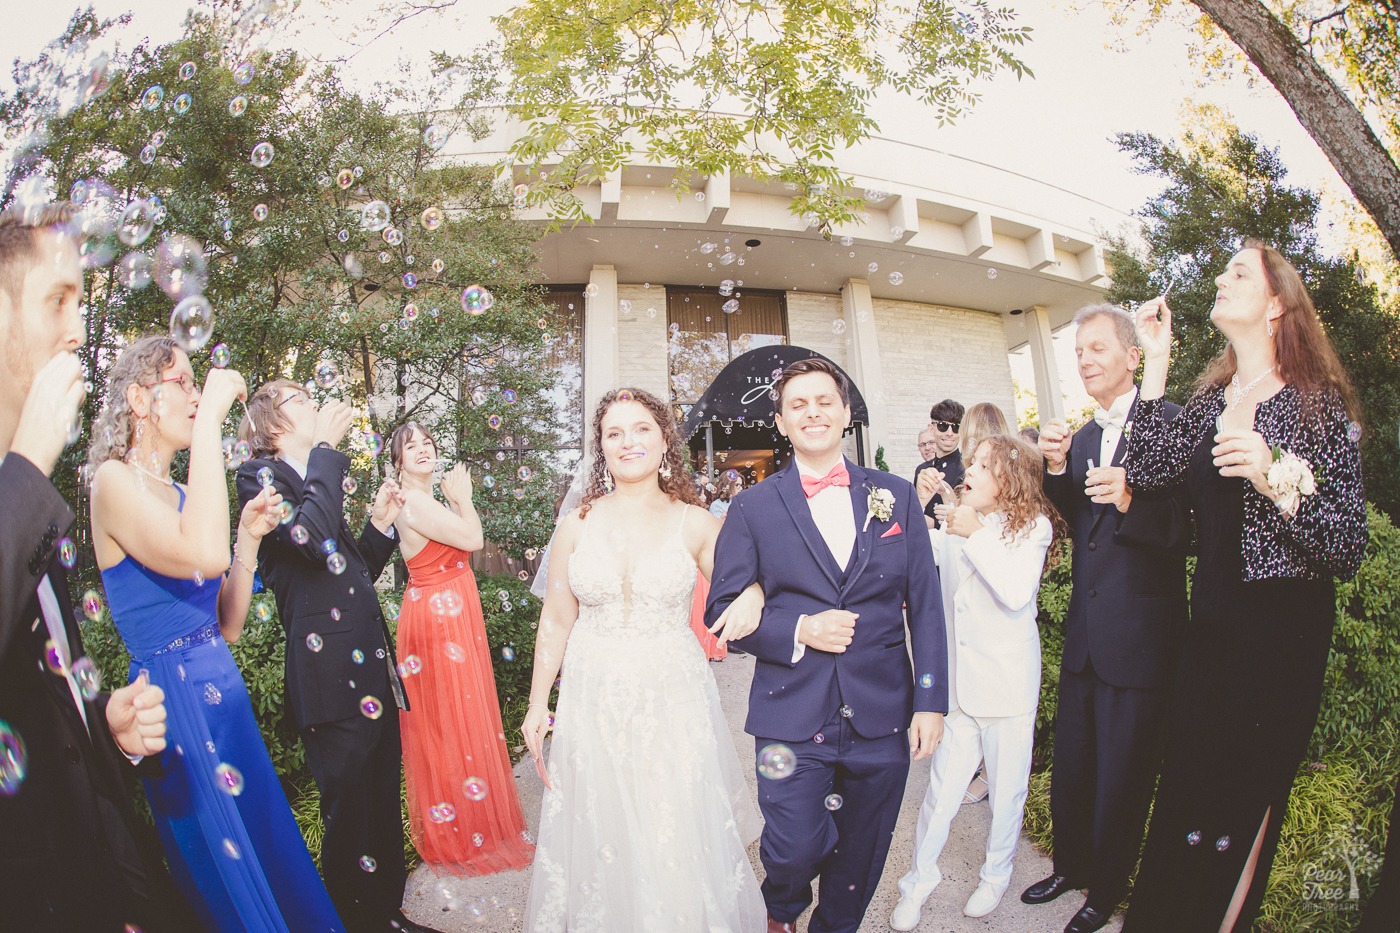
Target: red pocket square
[(894, 530)]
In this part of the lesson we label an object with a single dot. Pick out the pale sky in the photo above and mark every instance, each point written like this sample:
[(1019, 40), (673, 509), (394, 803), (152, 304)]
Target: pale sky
[(1056, 127)]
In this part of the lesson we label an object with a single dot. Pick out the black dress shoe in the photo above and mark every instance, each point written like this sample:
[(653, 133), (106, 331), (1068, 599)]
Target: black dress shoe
[(402, 924), (1046, 890), (1087, 920)]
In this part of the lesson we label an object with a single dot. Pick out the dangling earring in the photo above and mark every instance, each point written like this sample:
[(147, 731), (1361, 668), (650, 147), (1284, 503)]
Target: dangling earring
[(665, 470), (608, 484), (1269, 326), (140, 423)]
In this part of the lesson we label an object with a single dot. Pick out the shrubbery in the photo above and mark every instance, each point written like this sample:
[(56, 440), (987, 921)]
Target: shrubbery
[(1342, 795), (510, 623)]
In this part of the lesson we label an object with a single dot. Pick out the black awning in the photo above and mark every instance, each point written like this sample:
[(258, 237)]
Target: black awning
[(740, 393)]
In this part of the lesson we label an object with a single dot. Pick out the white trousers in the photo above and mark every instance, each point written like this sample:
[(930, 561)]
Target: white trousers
[(1005, 742)]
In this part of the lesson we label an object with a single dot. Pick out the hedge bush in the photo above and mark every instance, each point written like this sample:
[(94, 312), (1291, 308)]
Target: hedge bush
[(511, 614), (1344, 789)]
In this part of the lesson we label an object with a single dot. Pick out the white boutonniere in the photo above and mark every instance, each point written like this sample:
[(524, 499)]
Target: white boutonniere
[(879, 504), (1290, 477)]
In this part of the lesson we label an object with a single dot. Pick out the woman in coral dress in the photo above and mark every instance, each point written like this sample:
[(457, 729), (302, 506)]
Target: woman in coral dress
[(464, 812)]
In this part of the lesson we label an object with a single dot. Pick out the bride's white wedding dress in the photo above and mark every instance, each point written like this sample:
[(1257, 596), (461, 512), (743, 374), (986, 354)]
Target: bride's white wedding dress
[(646, 825)]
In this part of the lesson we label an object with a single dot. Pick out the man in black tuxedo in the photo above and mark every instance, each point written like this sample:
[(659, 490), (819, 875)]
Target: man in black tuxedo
[(69, 855), (1126, 615), (342, 689), (939, 446)]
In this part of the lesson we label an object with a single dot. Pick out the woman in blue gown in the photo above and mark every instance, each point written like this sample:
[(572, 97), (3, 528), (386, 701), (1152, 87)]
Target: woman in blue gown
[(228, 832)]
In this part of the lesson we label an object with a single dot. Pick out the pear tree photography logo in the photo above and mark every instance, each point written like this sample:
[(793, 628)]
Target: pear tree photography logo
[(1332, 882)]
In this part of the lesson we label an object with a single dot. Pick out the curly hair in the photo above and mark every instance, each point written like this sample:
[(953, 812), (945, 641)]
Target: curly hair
[(141, 363), (1018, 469), (679, 485)]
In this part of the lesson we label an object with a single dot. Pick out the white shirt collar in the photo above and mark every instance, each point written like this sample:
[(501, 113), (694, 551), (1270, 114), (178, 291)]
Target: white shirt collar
[(1123, 404), (805, 470), (294, 463)]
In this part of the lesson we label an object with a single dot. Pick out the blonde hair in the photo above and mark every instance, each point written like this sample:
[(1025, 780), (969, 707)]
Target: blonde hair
[(139, 364), (981, 421)]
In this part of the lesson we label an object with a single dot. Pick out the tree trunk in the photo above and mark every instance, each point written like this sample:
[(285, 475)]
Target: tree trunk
[(1323, 108)]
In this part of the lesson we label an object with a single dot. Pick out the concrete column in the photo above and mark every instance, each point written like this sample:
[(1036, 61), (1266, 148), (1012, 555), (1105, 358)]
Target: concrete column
[(1049, 398), (863, 357), (600, 361)]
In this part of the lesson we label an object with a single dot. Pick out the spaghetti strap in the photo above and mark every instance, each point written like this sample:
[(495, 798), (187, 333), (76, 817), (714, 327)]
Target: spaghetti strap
[(680, 529)]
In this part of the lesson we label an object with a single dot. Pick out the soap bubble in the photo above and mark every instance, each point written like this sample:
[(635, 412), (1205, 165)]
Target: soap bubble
[(87, 677), (237, 106), (136, 223), (431, 218), (344, 178), (371, 708), (374, 216), (327, 375), (410, 280), (349, 485), (435, 136), (243, 73), (838, 326), (92, 605), (926, 681), (260, 213), (300, 535), (187, 71), (873, 268), (991, 273), (833, 801), (182, 103), (336, 563), (392, 235), (367, 863), (474, 789), (152, 97), (147, 155), (314, 642), (776, 762), (228, 779), (192, 323), (67, 552), (591, 290), (522, 191), (262, 154), (730, 306), (373, 443), (357, 656), (896, 278), (180, 268), (507, 653), (476, 299), (14, 760)]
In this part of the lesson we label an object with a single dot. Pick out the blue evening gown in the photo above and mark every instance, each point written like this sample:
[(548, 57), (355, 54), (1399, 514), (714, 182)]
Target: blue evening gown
[(229, 835)]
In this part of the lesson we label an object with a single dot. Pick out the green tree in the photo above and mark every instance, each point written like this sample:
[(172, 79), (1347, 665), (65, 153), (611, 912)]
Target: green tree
[(339, 251), (1337, 64), (1223, 186), (770, 90)]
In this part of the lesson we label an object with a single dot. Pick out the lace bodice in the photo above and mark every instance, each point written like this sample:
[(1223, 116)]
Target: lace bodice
[(626, 589)]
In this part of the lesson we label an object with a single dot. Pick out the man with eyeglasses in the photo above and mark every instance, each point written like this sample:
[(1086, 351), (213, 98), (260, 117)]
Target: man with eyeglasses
[(343, 692), (938, 445)]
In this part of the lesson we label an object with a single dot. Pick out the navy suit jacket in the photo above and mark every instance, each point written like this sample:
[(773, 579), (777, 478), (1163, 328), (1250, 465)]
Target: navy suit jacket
[(325, 685), (1127, 611), (769, 536)]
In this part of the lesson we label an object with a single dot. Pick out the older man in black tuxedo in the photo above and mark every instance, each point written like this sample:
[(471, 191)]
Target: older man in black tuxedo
[(69, 855), (1126, 615)]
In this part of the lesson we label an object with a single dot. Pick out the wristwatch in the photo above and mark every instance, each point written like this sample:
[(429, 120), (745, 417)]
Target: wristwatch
[(325, 444)]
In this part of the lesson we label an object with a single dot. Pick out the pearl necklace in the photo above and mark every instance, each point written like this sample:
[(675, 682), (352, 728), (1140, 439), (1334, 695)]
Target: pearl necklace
[(159, 479), (1238, 394)]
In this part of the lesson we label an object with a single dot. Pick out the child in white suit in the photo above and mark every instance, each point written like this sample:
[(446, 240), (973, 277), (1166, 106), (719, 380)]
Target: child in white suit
[(990, 554)]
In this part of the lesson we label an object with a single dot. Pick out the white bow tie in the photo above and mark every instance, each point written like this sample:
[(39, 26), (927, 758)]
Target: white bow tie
[(1115, 417)]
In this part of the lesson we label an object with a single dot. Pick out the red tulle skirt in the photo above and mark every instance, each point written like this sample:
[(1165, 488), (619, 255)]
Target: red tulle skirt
[(464, 812)]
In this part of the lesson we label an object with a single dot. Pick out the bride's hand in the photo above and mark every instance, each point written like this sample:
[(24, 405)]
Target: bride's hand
[(536, 725), (741, 617)]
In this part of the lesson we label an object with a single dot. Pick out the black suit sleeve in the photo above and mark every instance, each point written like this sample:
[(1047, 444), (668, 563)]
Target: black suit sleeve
[(319, 503), (377, 548), (1060, 491), (32, 516)]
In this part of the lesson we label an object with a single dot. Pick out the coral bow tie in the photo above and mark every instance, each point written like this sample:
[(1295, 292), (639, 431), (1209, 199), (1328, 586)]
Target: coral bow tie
[(838, 476)]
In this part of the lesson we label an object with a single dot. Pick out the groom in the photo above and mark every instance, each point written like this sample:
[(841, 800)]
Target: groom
[(842, 553)]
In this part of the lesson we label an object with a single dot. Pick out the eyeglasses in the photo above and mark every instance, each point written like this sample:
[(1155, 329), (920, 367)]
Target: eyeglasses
[(923, 444), (947, 426), (294, 397), (186, 381)]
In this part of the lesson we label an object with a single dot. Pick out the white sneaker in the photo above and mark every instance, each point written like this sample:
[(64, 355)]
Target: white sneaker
[(984, 900), (906, 914)]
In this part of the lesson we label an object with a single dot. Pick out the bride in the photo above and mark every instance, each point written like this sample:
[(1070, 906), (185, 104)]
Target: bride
[(646, 814)]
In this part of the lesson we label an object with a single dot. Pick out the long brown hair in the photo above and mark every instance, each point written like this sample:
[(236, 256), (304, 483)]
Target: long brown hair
[(401, 436), (140, 363), (1303, 353), (679, 485), (1019, 472)]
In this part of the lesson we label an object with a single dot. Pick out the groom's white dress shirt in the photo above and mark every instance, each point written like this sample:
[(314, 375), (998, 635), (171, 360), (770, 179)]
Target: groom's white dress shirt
[(831, 511)]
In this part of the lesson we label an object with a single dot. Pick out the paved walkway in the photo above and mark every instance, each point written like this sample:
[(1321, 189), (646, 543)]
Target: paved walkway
[(497, 903)]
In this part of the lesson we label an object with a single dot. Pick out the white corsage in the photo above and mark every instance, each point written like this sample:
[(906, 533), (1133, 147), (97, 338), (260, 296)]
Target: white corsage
[(879, 504), (1290, 478)]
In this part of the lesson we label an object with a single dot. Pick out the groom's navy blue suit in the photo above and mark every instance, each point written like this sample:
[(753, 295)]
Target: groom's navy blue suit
[(844, 715)]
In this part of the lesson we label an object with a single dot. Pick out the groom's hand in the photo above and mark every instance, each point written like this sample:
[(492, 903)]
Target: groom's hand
[(925, 732), (830, 631)]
